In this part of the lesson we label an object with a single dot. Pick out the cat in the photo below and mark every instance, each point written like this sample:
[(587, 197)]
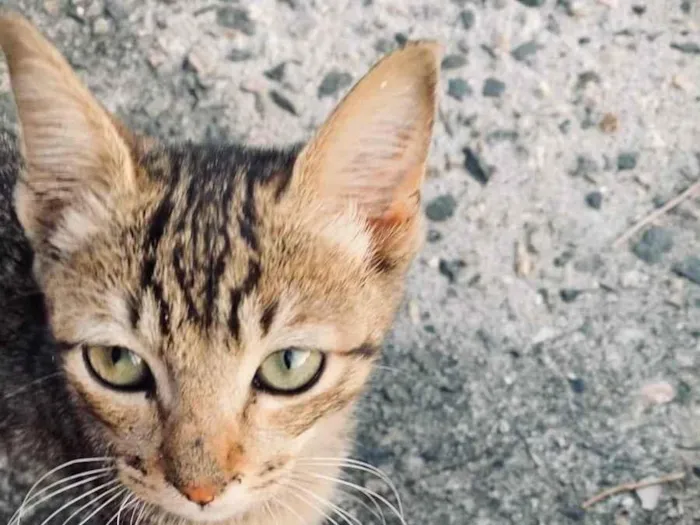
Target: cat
[(186, 328)]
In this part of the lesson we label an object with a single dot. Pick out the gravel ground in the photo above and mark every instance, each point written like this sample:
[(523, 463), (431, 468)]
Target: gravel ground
[(535, 362)]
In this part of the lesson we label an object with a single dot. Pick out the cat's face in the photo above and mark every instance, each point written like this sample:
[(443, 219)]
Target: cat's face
[(218, 310)]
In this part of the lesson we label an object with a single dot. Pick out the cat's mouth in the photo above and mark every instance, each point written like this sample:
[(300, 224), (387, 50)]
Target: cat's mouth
[(153, 489)]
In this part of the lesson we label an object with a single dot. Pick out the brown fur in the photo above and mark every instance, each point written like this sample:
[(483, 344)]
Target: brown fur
[(204, 260)]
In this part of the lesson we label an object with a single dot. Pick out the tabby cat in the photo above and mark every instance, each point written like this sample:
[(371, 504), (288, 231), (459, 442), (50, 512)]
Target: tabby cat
[(185, 328)]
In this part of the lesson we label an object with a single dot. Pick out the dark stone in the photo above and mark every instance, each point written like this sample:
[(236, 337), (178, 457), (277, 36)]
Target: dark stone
[(696, 471), (493, 87), (525, 51), (283, 102), (627, 160), (453, 61), (429, 328), (458, 88), (689, 268), (655, 242), (475, 166), (400, 39), (569, 295), (236, 18), (690, 48), (584, 40), (502, 135), (585, 165), (451, 269), (434, 236), (574, 513), (565, 127), (577, 385), (239, 55), (467, 18), (686, 6), (683, 393), (586, 78), (384, 45), (594, 199), (441, 208), (277, 72), (333, 82), (639, 9), (564, 258), (532, 3)]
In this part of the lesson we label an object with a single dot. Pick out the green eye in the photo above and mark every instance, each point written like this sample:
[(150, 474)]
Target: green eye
[(290, 371), (118, 367)]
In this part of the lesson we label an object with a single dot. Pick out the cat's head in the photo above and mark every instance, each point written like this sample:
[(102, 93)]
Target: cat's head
[(219, 309)]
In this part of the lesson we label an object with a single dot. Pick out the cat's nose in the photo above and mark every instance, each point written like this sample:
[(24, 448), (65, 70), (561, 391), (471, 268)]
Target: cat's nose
[(200, 494)]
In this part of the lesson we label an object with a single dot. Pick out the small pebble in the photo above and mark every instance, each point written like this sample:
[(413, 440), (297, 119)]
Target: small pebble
[(236, 18), (333, 82), (577, 385), (239, 55), (493, 87), (532, 3), (453, 61), (100, 26), (525, 51), (627, 160), (569, 295), (609, 123), (655, 242), (441, 208), (277, 72), (451, 269), (585, 166), (384, 45), (467, 18), (587, 77), (689, 268), (476, 167), (283, 102), (690, 48), (434, 236), (594, 199), (400, 39), (458, 88), (639, 10)]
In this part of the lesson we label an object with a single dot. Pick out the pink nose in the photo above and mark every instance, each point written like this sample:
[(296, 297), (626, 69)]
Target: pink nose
[(200, 494)]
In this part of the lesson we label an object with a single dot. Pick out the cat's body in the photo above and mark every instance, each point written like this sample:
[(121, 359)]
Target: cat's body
[(191, 325)]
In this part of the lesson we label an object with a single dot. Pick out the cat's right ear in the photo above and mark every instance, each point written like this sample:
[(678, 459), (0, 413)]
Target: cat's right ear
[(77, 155)]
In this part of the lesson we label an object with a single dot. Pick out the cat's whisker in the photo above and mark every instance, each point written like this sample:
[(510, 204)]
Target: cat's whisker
[(376, 512), (30, 385), (289, 509), (129, 500), (144, 507), (61, 467), (106, 490), (87, 505), (98, 509), (25, 508), (349, 518), (310, 504), (356, 464), (91, 474), (364, 491)]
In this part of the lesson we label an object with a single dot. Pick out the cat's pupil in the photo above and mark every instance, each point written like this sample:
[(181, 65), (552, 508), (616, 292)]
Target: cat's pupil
[(116, 355), (288, 358)]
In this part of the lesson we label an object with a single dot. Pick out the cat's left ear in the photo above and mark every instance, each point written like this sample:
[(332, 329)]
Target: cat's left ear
[(76, 153), (371, 152)]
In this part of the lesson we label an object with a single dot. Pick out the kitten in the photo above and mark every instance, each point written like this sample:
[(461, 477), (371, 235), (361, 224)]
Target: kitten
[(188, 326)]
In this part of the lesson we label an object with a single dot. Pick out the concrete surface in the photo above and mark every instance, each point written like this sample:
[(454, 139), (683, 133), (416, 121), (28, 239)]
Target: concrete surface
[(516, 377)]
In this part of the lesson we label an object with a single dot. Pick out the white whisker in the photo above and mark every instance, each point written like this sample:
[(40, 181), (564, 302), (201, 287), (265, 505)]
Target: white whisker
[(24, 509), (56, 469), (128, 501), (102, 471), (349, 518), (376, 512), (363, 490), (355, 464), (103, 487), (290, 509), (88, 504), (98, 509), (30, 384), (311, 504)]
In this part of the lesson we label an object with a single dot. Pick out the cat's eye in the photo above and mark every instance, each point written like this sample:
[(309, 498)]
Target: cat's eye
[(118, 367), (290, 371)]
